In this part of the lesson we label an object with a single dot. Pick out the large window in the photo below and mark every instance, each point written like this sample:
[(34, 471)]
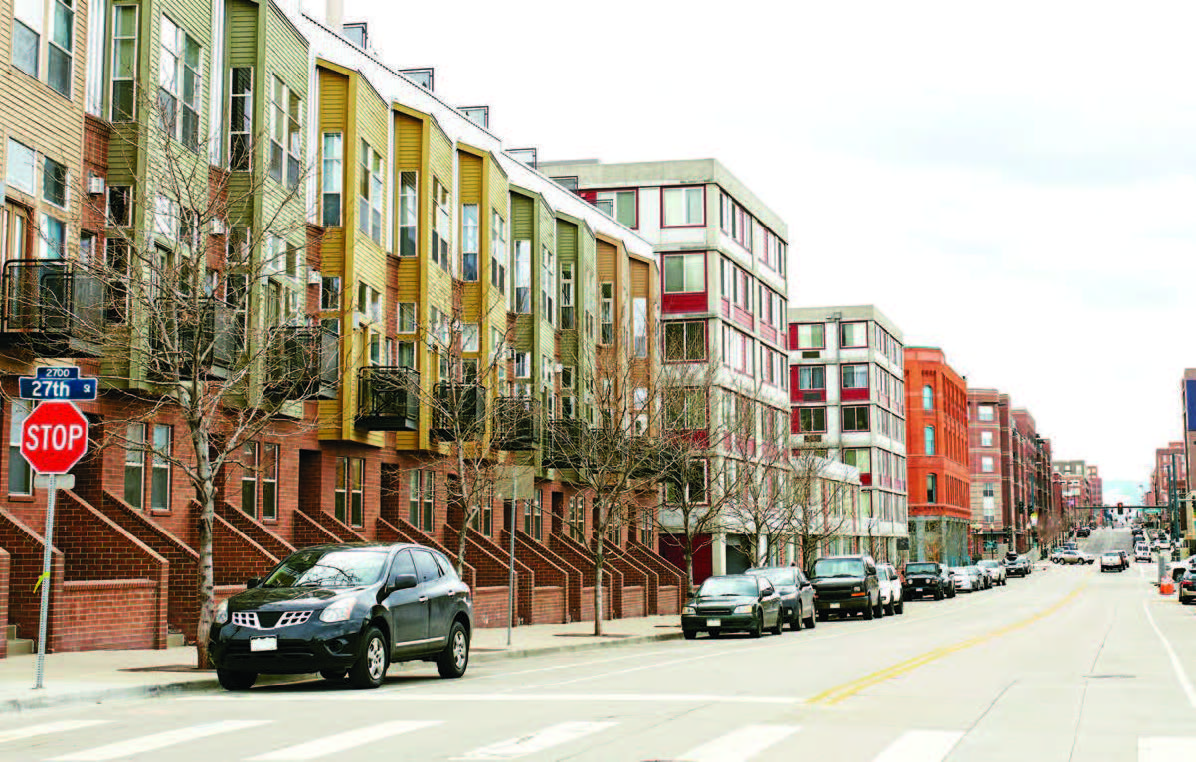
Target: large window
[(639, 326), (685, 341), (928, 397), (683, 207), (811, 419), (620, 205), (855, 418), (469, 242), (369, 195), (160, 471), (855, 376), (54, 182), (408, 214), (853, 334), (685, 408), (37, 39), (180, 83), (498, 252), (547, 285), (985, 412), (332, 178), (986, 464), (19, 172), (606, 310), (860, 458), (240, 119), (441, 234), (568, 308), (268, 481), (684, 273), (124, 62), (692, 489), (932, 488), (20, 475), (811, 336), (986, 439), (523, 276), (811, 377), (421, 498), (349, 491), (134, 464), (928, 440)]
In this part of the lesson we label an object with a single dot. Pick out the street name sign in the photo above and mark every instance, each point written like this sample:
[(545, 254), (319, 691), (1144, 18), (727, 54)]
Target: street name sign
[(61, 383)]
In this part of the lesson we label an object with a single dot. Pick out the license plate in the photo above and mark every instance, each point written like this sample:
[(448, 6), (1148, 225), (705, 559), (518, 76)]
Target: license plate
[(713, 622), (919, 589), (263, 644), (834, 605)]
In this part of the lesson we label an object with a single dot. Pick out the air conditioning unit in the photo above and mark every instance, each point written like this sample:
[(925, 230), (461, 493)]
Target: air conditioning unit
[(218, 226), (313, 277), (810, 354), (95, 185)]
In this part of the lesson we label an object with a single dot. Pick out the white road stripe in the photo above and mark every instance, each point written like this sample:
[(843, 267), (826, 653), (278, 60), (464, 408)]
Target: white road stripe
[(921, 746), (551, 736), (62, 726), (156, 741), (375, 696), (341, 741), (1165, 748), (1180, 674), (740, 745)]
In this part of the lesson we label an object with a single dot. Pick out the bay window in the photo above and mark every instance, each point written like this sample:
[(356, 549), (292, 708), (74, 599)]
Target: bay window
[(180, 83)]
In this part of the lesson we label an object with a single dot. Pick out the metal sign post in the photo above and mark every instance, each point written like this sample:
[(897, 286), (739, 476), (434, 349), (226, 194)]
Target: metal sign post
[(43, 619)]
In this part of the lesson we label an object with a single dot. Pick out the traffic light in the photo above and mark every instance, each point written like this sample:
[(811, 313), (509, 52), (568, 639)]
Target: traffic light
[(1120, 509)]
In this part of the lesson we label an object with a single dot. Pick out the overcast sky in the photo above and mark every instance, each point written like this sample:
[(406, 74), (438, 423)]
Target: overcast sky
[(1013, 185)]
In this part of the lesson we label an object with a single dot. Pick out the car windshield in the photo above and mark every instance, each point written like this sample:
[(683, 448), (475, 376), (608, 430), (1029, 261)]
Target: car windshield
[(328, 568), (729, 586), (838, 567), (959, 570), (780, 577), (921, 569), (990, 564), (1113, 555)]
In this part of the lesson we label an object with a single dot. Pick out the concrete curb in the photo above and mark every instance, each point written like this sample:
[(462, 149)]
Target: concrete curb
[(31, 703)]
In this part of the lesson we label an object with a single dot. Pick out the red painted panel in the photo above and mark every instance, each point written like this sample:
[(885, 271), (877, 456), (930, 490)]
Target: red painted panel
[(865, 480), (688, 302), (794, 392), (726, 308), (744, 318), (768, 332), (794, 421), (793, 335), (848, 395)]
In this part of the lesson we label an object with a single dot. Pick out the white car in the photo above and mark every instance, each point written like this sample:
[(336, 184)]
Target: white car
[(1141, 552), (1087, 558), (1111, 561), (890, 589), (995, 571), (964, 580)]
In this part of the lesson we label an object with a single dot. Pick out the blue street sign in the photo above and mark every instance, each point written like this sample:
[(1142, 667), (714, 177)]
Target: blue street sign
[(58, 384)]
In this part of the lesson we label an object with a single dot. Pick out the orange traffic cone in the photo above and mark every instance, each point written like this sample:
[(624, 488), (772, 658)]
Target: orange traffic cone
[(1166, 587)]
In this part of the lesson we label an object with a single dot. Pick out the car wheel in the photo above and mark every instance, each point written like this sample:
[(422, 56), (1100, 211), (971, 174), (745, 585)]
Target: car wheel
[(779, 627), (938, 594), (455, 657), (370, 669), (900, 607), (233, 680), (689, 634), (798, 616), (869, 612), (812, 620), (757, 630), (890, 608), (333, 675)]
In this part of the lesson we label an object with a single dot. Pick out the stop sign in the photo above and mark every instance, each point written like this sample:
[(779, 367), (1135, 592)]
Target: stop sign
[(54, 437)]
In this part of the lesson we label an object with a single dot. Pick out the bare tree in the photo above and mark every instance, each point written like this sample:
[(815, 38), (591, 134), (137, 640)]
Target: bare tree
[(815, 500), (759, 474)]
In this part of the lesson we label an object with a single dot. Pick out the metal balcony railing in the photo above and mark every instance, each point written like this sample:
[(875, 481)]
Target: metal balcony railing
[(302, 362), (192, 335), (459, 411), (53, 307), (516, 423), (387, 399)]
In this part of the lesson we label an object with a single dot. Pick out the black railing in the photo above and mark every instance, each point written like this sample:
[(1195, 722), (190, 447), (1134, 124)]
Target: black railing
[(192, 335), (301, 363), (459, 411), (566, 444), (53, 306), (516, 423), (387, 399)]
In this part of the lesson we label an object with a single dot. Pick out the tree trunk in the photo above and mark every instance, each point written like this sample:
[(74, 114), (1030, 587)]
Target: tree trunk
[(689, 567), (206, 494), (465, 514), (599, 560)]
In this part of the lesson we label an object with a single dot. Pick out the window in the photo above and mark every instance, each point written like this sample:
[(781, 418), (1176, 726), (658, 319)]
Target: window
[(547, 284), (408, 214), (440, 231), (330, 292), (180, 83), (575, 517), (369, 194), (27, 35), (986, 439), (421, 498), (860, 458), (927, 397), (405, 354), (523, 276), (20, 474), (53, 238), (160, 470), (406, 322), (349, 491), (811, 377), (332, 168), (533, 516), (684, 273), (685, 341), (619, 205), (986, 464), (811, 336), (249, 473), (28, 20), (240, 129), (683, 207), (693, 490), (568, 318), (855, 376), (19, 172), (606, 310), (124, 62), (928, 440), (470, 338), (469, 242), (811, 419), (498, 252), (685, 408), (523, 365), (639, 322), (853, 334), (855, 418), (985, 412)]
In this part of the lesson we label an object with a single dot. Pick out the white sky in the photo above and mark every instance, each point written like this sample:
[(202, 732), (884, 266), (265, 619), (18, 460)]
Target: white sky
[(1014, 184)]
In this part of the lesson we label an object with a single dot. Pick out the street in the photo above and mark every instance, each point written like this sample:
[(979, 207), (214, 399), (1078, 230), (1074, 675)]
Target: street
[(1066, 664)]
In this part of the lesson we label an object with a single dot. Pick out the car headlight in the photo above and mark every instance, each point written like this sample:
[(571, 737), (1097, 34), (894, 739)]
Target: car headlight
[(688, 610), (857, 589), (744, 609), (222, 612), (338, 611)]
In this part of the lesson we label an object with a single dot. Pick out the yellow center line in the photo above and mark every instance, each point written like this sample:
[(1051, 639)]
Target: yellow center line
[(845, 691)]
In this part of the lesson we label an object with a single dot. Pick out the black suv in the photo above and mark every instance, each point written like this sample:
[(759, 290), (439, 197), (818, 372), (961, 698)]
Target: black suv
[(345, 609), (1018, 567), (845, 584), (924, 578)]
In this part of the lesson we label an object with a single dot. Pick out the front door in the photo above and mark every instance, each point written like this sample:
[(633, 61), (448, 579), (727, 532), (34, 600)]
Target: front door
[(435, 590), (408, 614)]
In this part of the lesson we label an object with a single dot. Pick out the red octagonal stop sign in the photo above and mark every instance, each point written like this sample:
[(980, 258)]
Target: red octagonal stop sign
[(54, 437)]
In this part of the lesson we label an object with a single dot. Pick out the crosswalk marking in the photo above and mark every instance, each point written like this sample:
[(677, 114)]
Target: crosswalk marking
[(921, 746), (141, 744), (62, 726), (1165, 748), (341, 741), (553, 735), (740, 745)]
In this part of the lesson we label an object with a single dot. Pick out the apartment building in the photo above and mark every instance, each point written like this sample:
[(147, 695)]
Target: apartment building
[(1188, 467), (723, 257), (1077, 491), (848, 402), (937, 458), (1168, 484), (383, 290)]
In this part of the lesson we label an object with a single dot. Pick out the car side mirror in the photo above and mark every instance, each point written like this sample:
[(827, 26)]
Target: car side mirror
[(402, 582), (253, 582)]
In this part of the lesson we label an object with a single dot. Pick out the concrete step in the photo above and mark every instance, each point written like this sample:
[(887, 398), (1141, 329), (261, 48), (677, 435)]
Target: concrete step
[(176, 640), (10, 632), (20, 647)]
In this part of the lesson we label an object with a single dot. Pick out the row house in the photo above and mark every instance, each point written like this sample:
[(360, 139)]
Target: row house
[(374, 275), (722, 255), (848, 402)]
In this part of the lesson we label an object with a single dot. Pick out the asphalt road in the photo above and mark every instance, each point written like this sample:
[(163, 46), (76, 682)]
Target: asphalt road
[(1067, 664)]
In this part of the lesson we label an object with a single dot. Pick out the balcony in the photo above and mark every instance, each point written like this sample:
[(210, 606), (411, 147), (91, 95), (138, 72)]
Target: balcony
[(52, 308), (516, 423), (645, 459), (387, 399), (192, 336), (301, 363), (565, 444), (459, 411)]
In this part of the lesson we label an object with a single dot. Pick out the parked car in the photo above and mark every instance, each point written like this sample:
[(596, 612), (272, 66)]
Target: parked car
[(1142, 552), (927, 578), (733, 603), (1019, 567), (967, 578), (986, 581), (890, 589), (345, 609), (1086, 557), (995, 571), (846, 584), (1187, 589), (796, 591), (1111, 561), (1083, 532)]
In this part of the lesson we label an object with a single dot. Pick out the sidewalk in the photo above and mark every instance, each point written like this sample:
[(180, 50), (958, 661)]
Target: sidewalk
[(95, 676)]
